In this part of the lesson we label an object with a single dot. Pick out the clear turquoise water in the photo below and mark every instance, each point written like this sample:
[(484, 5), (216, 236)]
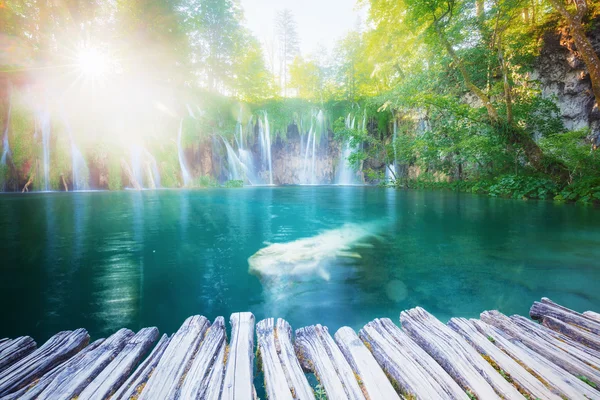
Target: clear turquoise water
[(126, 259)]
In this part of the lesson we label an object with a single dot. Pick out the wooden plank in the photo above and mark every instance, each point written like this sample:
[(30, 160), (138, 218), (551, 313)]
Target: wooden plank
[(117, 372), (411, 369), (523, 380), (291, 367), (588, 355), (276, 383), (32, 391), (175, 361), (73, 380), (239, 372), (592, 315), (214, 382), (579, 335), (546, 308), (196, 378), (13, 350), (133, 386), (317, 351), (552, 375), (373, 379), (456, 356), (546, 346), (56, 350)]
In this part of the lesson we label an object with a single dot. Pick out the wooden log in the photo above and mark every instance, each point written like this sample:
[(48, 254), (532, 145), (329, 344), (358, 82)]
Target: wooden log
[(364, 366), (546, 346), (73, 380), (175, 361), (276, 383), (548, 373), (56, 350), (410, 368), (523, 380), (13, 350), (456, 356), (133, 386), (196, 378), (317, 351), (117, 372), (32, 392), (547, 308), (293, 371), (214, 382), (239, 372), (586, 354), (592, 315), (579, 335)]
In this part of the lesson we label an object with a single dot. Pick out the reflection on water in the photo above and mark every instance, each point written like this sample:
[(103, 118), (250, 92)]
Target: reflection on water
[(131, 259)]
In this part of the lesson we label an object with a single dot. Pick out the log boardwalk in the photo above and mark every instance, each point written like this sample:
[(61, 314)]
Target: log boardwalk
[(556, 357)]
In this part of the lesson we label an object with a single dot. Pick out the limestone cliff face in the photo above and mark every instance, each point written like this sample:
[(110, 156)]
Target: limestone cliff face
[(564, 78)]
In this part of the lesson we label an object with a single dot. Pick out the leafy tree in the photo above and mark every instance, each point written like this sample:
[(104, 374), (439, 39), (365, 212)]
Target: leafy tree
[(289, 43)]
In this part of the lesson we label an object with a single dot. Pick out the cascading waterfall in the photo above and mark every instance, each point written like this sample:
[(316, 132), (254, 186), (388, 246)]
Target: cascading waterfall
[(237, 169), (308, 144), (388, 174), (136, 165), (44, 123), (265, 145), (187, 178), (346, 173), (5, 144), (154, 171), (81, 173)]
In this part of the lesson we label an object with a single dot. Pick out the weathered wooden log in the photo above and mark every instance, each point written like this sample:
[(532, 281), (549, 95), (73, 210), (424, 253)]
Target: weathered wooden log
[(276, 383), (563, 382), (592, 315), (546, 308), (521, 378), (13, 350), (133, 386), (32, 392), (546, 346), (456, 356), (239, 372), (56, 350), (117, 372), (175, 361), (291, 366), (73, 380), (364, 366), (413, 372), (579, 335), (317, 351), (214, 382), (586, 354), (195, 381)]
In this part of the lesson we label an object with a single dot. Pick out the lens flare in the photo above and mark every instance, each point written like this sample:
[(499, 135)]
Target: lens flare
[(92, 63)]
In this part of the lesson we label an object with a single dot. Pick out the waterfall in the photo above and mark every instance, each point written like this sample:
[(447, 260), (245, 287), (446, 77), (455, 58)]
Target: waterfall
[(5, 144), (153, 166), (44, 120), (305, 163), (346, 174), (143, 164), (265, 145), (81, 173), (237, 169), (187, 179), (388, 174)]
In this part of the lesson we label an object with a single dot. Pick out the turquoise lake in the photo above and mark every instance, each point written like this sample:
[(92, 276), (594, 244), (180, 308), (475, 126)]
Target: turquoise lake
[(106, 260)]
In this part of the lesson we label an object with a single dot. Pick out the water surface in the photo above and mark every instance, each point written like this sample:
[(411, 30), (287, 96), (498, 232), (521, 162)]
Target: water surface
[(108, 260)]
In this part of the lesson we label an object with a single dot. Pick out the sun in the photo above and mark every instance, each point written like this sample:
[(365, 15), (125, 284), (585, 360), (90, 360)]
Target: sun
[(93, 63)]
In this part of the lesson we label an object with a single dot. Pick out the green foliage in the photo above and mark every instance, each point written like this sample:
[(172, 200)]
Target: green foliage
[(320, 392), (234, 183), (204, 181), (584, 191), (572, 149), (523, 187)]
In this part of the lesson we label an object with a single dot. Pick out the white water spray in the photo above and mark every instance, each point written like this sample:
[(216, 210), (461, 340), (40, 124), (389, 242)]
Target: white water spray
[(187, 178)]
